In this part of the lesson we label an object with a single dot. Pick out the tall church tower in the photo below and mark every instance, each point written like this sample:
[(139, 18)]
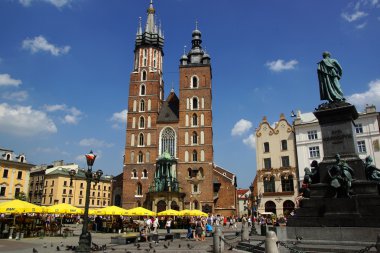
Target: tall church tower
[(195, 127), (146, 91)]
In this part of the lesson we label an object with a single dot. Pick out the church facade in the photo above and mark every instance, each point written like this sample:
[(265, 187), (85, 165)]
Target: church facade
[(169, 160)]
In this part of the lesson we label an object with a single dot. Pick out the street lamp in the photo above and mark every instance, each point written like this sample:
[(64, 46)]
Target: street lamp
[(253, 206), (85, 237)]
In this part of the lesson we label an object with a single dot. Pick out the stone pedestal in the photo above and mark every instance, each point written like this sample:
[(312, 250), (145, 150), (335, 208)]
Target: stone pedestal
[(362, 209)]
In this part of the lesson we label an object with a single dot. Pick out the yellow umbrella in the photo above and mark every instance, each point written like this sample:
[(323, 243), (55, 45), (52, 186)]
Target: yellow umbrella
[(63, 209), (169, 212), (91, 211), (19, 206), (194, 212), (140, 211), (111, 210)]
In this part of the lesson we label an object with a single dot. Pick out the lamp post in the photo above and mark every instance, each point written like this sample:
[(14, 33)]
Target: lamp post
[(253, 206), (85, 237)]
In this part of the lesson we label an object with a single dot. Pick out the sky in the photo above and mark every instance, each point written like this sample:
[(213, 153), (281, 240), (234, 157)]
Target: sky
[(65, 68)]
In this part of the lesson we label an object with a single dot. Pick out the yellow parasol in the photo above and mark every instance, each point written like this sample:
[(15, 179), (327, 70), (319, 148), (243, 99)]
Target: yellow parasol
[(91, 211), (169, 212), (63, 209), (111, 210), (140, 211), (18, 206), (194, 212)]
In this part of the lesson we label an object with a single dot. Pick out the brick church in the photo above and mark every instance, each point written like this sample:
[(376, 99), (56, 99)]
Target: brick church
[(169, 154)]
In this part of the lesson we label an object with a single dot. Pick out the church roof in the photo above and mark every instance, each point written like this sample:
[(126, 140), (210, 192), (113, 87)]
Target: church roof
[(169, 112)]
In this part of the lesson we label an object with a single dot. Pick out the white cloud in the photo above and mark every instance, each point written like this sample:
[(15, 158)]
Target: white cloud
[(120, 119), (72, 114), (120, 116), (24, 121), (250, 141), (39, 43), (361, 26), (371, 96), (56, 3), (354, 16), (16, 96), (241, 127), (7, 80), (53, 108), (92, 142), (281, 65)]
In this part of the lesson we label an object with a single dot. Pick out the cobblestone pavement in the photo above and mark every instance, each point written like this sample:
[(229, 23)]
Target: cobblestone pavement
[(52, 244)]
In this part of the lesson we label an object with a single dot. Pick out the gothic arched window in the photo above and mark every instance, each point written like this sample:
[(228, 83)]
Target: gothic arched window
[(195, 156), (195, 138), (142, 122), (141, 139), (194, 81), (195, 103), (168, 141), (142, 105), (142, 89), (139, 189), (143, 75), (195, 120)]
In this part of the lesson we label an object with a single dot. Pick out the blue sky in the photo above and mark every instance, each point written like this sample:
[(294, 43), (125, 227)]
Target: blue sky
[(65, 66)]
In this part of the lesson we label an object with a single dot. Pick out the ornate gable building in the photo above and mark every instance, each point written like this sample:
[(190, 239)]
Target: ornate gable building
[(169, 159), (276, 167)]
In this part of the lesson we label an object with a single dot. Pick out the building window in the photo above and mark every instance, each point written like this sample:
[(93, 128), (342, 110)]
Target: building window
[(269, 185), (168, 141), (64, 183), (134, 173), (314, 151), (312, 135), (2, 191), (92, 202), (141, 157), (359, 128), (64, 191), (287, 183), (195, 120), (51, 191), (19, 175), (63, 200), (71, 192), (142, 122), (195, 156), (195, 138), (98, 202), (105, 188), (17, 192), (195, 103), (141, 139), (361, 147), (195, 188), (194, 80), (50, 200), (81, 193), (284, 145), (142, 105), (145, 174), (266, 147), (143, 77), (267, 163), (70, 201), (285, 161), (80, 201), (139, 189), (81, 185), (5, 173)]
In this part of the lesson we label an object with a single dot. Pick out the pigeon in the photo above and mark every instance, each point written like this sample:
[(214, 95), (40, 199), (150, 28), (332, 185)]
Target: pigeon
[(150, 246), (138, 246), (190, 246), (166, 246), (113, 249), (61, 244), (231, 248), (58, 249), (299, 238), (35, 251), (154, 251), (179, 245)]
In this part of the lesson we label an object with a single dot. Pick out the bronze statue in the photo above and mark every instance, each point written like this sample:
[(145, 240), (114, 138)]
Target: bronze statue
[(315, 177), (329, 74), (341, 176), (372, 173)]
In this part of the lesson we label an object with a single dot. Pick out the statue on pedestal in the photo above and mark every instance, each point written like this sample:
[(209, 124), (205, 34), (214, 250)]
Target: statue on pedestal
[(329, 73), (341, 176), (371, 172)]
